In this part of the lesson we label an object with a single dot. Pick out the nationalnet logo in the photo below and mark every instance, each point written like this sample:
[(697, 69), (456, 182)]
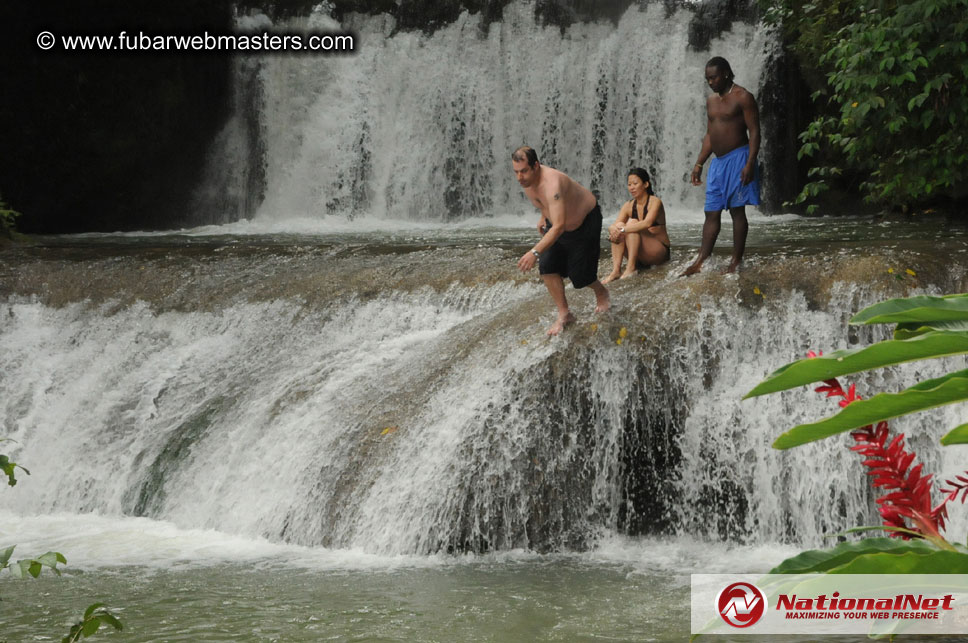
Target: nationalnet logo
[(741, 604), (819, 604)]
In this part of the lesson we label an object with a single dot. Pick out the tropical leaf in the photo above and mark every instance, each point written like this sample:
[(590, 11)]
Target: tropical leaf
[(822, 560), (957, 435), (886, 353), (925, 308), (948, 389), (912, 562), (913, 329), (888, 528)]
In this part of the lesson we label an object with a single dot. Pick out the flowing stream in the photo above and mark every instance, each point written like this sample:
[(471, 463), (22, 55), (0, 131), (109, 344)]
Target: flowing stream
[(214, 413)]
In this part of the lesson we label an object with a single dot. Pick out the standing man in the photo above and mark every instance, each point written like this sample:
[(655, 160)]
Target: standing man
[(733, 180), (571, 229)]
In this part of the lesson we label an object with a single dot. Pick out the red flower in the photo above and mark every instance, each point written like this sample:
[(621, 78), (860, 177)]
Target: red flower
[(889, 464)]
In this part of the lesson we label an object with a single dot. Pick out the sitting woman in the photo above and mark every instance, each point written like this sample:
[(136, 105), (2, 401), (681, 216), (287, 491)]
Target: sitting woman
[(639, 231)]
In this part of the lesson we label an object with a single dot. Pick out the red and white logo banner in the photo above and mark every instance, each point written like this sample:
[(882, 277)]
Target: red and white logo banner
[(830, 604)]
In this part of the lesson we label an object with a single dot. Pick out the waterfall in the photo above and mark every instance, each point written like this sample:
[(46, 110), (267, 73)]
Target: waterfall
[(413, 404), (420, 127)]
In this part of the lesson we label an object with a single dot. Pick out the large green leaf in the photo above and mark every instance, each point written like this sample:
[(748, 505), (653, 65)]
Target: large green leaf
[(91, 627), (948, 389), (924, 308), (912, 562), (913, 329), (822, 560), (886, 353), (957, 435), (51, 558)]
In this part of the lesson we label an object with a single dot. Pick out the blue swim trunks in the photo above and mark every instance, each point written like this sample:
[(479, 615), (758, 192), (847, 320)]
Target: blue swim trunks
[(724, 187)]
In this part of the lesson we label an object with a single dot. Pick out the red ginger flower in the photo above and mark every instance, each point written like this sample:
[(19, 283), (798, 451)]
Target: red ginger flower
[(889, 464)]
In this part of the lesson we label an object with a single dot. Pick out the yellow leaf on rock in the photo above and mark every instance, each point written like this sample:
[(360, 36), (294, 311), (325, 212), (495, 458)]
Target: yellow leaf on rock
[(622, 333), (911, 272), (389, 429)]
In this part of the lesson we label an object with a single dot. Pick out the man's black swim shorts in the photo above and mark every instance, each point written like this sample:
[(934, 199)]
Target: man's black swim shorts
[(575, 253)]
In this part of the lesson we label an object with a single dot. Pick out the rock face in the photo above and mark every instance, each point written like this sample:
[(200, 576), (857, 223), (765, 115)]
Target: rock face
[(106, 140)]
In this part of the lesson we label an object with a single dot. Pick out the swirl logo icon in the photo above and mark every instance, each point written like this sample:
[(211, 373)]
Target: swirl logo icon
[(741, 604)]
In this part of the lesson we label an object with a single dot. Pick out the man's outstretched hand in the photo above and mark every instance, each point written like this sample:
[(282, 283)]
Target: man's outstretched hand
[(527, 261)]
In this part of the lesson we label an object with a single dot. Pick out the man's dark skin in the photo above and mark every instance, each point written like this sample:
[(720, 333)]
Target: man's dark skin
[(731, 112)]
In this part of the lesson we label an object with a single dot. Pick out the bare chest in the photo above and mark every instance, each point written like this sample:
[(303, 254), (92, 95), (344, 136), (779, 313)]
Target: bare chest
[(720, 109)]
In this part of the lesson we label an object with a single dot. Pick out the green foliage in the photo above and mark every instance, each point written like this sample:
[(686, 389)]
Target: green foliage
[(844, 362), (884, 406), (924, 309), (930, 328), (31, 566), (958, 435), (927, 327), (10, 468), (816, 561), (891, 82), (910, 562), (877, 556), (94, 617)]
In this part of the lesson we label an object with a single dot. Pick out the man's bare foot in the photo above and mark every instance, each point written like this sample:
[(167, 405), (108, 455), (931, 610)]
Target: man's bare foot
[(603, 300), (612, 276), (560, 324), (626, 275), (691, 270), (733, 267)]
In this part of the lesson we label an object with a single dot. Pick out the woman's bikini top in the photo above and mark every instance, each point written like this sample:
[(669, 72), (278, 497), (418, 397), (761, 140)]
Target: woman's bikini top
[(645, 209)]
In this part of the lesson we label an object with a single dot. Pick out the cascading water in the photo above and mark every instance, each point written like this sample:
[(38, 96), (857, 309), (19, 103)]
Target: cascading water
[(421, 127), (409, 402)]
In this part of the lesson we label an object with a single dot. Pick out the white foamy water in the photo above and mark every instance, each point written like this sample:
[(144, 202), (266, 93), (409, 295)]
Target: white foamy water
[(93, 541), (420, 127), (437, 419)]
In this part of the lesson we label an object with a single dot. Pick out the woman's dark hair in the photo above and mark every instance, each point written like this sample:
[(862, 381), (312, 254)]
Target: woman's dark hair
[(642, 174)]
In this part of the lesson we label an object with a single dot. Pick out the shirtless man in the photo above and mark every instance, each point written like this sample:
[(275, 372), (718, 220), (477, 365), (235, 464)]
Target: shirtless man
[(733, 181), (571, 228)]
